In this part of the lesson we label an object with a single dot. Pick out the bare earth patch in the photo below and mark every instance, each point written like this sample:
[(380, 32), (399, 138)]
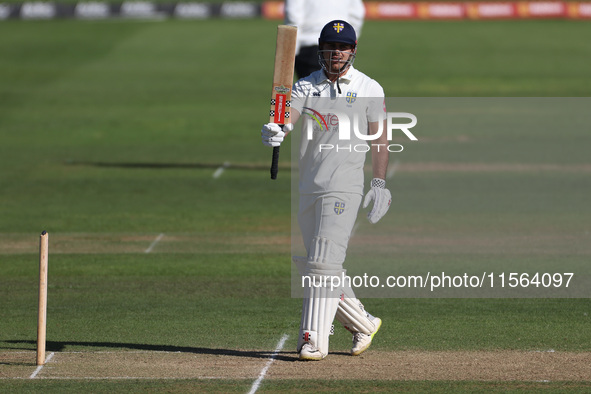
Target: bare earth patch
[(445, 365), (532, 244), (492, 167), (81, 243), (374, 365), (86, 243)]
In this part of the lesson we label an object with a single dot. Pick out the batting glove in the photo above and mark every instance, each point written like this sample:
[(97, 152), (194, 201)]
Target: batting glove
[(381, 200), (273, 134)]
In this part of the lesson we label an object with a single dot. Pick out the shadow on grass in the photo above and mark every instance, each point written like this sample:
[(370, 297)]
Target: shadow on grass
[(54, 346), (239, 166)]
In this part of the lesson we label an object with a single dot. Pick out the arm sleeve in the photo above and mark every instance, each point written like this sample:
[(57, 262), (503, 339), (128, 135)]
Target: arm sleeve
[(298, 97), (376, 109), (356, 15), (294, 11)]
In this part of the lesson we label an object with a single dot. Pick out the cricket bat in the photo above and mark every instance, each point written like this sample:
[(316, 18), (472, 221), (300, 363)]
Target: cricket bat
[(282, 83)]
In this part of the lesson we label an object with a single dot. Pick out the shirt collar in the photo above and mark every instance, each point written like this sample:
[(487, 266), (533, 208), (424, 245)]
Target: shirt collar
[(322, 78)]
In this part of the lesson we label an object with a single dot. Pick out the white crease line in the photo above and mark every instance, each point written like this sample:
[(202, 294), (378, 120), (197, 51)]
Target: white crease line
[(355, 227), (121, 351), (120, 378), (40, 367), (257, 383), (392, 169), (158, 238), (218, 173)]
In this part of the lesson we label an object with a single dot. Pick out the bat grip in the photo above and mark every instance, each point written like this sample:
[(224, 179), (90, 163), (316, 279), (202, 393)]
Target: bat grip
[(275, 162)]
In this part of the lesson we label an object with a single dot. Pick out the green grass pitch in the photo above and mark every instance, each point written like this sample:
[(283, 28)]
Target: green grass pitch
[(110, 132)]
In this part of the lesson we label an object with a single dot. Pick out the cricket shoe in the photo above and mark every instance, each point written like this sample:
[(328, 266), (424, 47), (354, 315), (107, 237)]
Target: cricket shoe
[(310, 353), (362, 341)]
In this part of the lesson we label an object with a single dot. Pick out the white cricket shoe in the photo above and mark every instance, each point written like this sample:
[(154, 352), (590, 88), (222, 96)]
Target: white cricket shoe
[(310, 353), (362, 341)]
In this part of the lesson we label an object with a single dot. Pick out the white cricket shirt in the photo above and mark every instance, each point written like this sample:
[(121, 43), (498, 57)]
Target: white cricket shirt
[(332, 155)]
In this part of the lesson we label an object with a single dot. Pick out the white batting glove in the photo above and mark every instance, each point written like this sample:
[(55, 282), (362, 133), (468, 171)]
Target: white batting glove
[(273, 134), (381, 200)]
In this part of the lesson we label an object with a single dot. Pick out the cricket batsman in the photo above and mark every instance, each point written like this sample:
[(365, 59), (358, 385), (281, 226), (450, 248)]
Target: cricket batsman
[(332, 185)]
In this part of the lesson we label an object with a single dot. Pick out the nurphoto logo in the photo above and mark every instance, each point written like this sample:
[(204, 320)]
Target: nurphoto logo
[(347, 130)]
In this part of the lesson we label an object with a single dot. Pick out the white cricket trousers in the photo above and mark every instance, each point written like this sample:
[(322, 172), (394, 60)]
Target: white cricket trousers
[(331, 216)]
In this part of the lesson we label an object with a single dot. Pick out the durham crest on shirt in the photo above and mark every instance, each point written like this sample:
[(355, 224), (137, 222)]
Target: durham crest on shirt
[(351, 97), (339, 207)]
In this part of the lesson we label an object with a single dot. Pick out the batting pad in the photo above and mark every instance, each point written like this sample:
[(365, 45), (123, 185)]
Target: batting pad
[(326, 251), (352, 315), (320, 299), (300, 262), (318, 311), (350, 311)]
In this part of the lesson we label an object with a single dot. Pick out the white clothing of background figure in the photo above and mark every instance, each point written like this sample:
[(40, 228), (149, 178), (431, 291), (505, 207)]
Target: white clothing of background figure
[(310, 16)]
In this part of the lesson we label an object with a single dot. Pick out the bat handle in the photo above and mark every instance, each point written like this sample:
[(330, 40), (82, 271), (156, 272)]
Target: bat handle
[(275, 162)]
